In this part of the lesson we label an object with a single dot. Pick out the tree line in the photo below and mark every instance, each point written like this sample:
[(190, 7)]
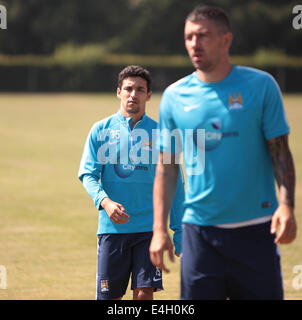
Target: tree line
[(152, 27)]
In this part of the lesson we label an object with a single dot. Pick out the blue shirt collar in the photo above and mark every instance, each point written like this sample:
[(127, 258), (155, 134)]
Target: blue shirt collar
[(128, 119)]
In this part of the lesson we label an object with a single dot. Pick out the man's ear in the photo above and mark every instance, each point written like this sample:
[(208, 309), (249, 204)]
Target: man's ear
[(228, 40), (118, 92), (149, 94)]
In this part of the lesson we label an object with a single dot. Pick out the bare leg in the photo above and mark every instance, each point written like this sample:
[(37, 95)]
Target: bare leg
[(143, 294)]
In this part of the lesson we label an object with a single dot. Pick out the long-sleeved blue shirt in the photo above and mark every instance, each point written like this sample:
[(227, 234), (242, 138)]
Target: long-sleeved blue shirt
[(119, 162)]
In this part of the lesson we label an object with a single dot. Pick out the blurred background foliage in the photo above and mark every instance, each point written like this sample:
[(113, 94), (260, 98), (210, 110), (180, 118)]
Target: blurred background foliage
[(141, 26), (147, 32)]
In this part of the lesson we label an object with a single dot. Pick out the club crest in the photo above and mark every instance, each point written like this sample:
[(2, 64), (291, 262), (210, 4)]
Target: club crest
[(235, 101)]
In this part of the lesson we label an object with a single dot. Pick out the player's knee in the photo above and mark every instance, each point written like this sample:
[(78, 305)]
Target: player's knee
[(143, 294)]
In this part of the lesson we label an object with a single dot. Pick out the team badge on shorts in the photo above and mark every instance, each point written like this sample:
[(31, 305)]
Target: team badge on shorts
[(104, 286)]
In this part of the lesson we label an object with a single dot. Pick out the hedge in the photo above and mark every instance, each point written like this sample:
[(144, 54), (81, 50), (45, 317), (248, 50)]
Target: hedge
[(90, 71)]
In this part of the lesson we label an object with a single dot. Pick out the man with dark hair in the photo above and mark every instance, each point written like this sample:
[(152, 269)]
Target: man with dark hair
[(135, 71), (229, 236), (117, 171), (211, 13)]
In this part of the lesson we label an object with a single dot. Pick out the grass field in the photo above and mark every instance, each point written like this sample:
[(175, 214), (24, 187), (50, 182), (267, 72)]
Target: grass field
[(48, 221)]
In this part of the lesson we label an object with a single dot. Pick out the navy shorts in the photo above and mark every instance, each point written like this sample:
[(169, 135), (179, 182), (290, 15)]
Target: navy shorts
[(122, 255), (240, 263)]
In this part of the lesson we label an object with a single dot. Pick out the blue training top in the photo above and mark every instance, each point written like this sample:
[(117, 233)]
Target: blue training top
[(232, 178), (117, 162)]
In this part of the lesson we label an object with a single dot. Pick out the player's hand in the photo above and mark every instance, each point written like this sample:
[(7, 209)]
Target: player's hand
[(115, 211), (160, 242), (284, 219)]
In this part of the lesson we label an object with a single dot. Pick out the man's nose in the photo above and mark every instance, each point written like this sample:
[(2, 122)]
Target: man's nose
[(133, 93), (195, 42)]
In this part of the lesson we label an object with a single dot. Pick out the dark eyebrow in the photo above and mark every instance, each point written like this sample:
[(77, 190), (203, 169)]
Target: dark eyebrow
[(139, 88), (198, 32)]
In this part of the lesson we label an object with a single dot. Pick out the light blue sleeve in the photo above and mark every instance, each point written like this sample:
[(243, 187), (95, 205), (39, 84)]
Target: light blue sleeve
[(177, 211), (170, 137), (274, 121), (90, 168), (94, 188)]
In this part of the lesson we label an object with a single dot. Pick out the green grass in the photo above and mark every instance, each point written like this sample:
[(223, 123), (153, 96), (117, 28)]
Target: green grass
[(48, 221)]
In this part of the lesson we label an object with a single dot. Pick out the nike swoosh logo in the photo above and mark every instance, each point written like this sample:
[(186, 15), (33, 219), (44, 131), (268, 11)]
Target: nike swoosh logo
[(156, 279), (189, 108)]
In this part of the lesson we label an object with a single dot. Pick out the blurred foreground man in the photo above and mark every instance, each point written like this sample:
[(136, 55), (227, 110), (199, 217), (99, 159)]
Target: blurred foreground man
[(117, 171), (230, 236)]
